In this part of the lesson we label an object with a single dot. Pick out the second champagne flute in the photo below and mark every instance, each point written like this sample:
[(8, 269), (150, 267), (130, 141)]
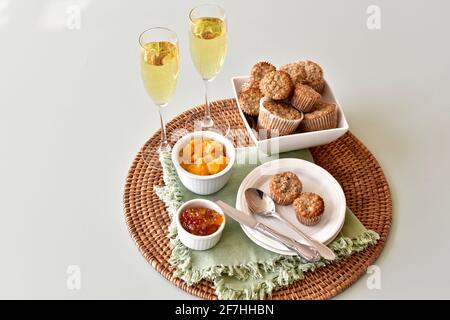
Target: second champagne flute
[(208, 44)]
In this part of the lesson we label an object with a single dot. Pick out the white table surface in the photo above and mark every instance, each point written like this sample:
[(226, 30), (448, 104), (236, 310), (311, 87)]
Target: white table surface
[(74, 114)]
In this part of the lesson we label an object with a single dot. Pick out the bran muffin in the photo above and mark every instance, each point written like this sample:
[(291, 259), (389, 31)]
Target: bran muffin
[(259, 70), (304, 98), (246, 85), (285, 187), (249, 101), (314, 76), (296, 71), (324, 116), (278, 118), (309, 208), (276, 85)]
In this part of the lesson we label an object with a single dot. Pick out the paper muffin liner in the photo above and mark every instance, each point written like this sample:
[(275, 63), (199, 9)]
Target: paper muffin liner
[(309, 221), (273, 123), (303, 103), (326, 121)]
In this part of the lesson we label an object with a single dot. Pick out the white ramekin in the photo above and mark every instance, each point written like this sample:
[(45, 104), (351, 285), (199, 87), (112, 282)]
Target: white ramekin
[(193, 241), (204, 184)]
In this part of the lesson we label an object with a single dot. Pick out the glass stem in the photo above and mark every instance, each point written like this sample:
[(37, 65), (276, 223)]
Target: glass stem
[(207, 122), (164, 146)]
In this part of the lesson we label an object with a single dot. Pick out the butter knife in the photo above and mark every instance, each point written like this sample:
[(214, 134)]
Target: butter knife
[(305, 251)]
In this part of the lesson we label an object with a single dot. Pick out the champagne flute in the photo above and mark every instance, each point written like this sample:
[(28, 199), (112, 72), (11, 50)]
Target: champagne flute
[(208, 45), (159, 70)]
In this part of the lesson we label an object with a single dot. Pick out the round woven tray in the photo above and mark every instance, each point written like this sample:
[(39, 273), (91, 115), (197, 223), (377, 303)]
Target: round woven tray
[(347, 159)]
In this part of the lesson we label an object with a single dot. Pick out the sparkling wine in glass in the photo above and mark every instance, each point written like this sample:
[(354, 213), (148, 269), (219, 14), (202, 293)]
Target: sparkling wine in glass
[(159, 69), (208, 45)]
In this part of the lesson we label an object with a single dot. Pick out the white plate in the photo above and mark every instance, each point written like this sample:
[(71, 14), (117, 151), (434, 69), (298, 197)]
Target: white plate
[(299, 140), (314, 179)]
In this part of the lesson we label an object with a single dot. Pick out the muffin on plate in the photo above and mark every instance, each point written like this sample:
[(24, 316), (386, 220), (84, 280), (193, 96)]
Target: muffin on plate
[(277, 117), (259, 70), (324, 116), (285, 187), (249, 101), (309, 208), (304, 98), (276, 85)]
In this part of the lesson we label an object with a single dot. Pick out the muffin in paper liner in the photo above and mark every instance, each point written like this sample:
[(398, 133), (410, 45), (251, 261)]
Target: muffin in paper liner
[(296, 71), (259, 70), (323, 117), (309, 221), (309, 208), (304, 98), (276, 85), (285, 187), (276, 124), (314, 75), (249, 101)]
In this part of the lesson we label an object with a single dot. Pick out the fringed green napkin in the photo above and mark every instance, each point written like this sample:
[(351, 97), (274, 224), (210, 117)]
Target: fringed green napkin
[(239, 268)]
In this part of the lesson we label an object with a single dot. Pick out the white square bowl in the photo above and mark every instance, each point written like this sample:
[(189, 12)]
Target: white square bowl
[(297, 140)]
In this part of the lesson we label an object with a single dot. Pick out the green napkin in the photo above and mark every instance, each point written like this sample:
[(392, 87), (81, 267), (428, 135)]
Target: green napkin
[(239, 268)]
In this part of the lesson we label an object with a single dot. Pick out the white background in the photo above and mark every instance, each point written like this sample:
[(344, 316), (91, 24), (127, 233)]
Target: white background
[(74, 114)]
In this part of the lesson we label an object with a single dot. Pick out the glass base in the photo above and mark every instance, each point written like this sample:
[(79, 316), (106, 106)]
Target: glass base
[(206, 124), (164, 147), (200, 123)]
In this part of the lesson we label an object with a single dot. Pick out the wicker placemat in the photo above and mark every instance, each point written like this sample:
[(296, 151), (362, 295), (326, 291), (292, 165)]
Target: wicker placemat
[(347, 159)]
